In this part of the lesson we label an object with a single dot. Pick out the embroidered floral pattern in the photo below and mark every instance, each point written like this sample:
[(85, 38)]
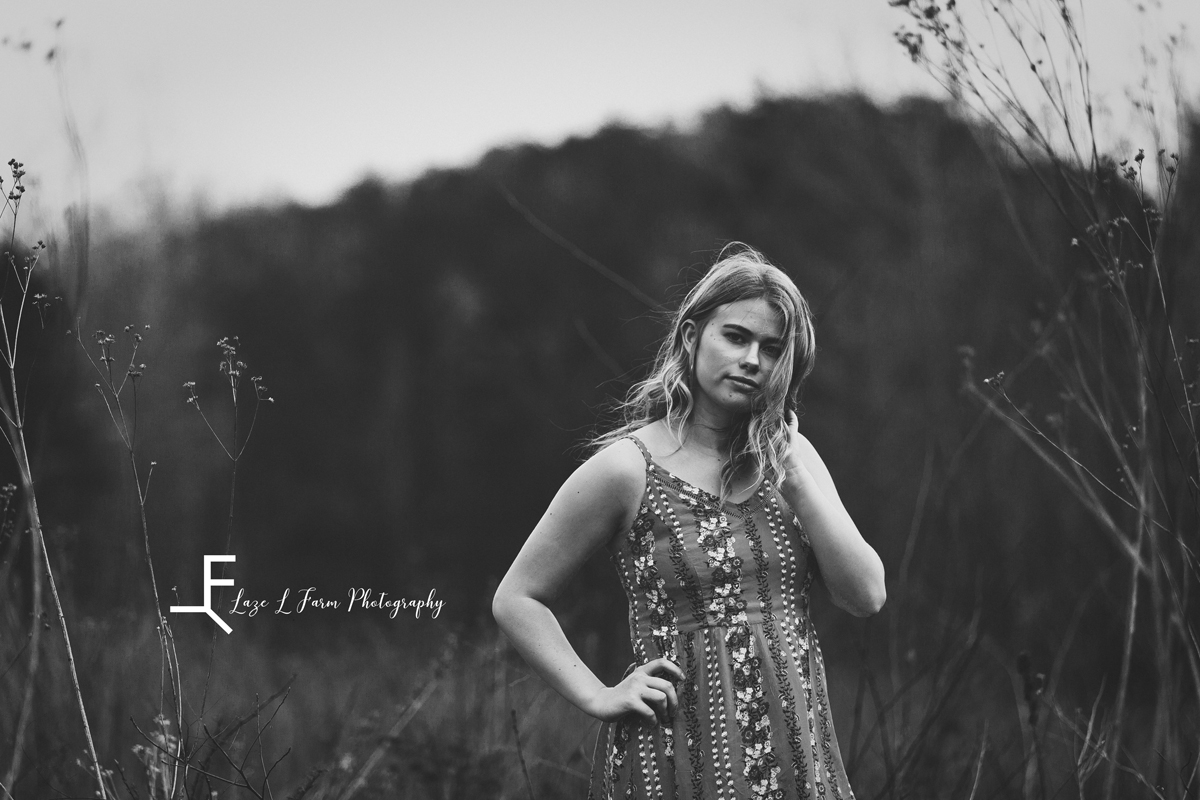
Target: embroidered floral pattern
[(727, 608), (787, 698), (690, 699), (649, 584)]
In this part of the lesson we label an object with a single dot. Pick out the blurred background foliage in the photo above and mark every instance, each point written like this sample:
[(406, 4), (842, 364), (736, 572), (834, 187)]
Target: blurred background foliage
[(437, 360)]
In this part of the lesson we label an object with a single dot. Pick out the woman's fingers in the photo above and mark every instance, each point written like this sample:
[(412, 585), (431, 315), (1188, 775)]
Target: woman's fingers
[(668, 691), (673, 668), (644, 701), (660, 691), (646, 712), (663, 665), (661, 694)]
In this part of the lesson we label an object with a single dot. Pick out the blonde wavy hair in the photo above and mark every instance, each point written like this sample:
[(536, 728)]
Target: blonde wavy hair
[(760, 438)]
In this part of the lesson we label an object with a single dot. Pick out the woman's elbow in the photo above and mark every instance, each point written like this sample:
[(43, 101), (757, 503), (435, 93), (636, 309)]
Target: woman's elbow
[(508, 604), (876, 594), (873, 602), (501, 605), (865, 605), (867, 600)]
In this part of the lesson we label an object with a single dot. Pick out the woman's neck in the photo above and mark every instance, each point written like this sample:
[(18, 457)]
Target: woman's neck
[(708, 434)]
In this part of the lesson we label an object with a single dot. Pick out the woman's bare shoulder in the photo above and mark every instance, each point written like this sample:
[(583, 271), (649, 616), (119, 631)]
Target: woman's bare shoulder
[(656, 438), (618, 466)]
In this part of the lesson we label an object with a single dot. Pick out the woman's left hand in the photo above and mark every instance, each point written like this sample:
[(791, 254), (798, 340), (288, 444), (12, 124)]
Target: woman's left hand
[(793, 422), (794, 463), (850, 567)]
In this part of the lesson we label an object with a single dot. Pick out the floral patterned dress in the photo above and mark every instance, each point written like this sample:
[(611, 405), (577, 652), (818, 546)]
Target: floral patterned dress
[(722, 590)]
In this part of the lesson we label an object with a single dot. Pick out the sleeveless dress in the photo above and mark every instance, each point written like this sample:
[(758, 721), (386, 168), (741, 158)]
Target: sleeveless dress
[(722, 590)]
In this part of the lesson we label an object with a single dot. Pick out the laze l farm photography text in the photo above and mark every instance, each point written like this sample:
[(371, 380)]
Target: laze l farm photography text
[(354, 599)]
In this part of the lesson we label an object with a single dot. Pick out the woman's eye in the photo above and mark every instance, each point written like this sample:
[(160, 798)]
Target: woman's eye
[(734, 337), (773, 351)]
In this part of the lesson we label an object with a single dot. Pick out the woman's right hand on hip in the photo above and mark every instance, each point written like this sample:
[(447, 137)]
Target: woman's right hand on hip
[(643, 692)]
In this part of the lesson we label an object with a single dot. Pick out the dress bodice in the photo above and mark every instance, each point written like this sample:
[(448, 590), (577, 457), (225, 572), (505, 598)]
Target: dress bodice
[(691, 560)]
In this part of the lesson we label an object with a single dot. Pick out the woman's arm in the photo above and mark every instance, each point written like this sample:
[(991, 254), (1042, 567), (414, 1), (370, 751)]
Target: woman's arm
[(598, 500), (850, 567)]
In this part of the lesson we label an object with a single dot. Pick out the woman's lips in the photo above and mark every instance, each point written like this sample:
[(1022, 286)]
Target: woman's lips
[(745, 383)]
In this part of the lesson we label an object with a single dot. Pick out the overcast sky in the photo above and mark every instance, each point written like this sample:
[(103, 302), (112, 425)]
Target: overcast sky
[(238, 101)]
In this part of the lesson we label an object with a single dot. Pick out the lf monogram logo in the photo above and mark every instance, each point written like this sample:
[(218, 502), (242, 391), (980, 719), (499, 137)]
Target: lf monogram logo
[(209, 582)]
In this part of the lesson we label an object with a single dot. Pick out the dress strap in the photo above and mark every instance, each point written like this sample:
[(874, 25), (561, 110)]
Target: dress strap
[(641, 446)]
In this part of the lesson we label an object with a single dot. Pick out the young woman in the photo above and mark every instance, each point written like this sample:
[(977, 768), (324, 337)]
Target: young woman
[(717, 513)]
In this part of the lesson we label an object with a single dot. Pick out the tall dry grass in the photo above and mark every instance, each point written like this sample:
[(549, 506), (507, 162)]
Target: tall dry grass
[(1118, 430)]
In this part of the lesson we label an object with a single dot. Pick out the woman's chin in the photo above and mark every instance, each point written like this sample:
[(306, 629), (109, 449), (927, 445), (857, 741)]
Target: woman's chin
[(733, 403), (738, 404)]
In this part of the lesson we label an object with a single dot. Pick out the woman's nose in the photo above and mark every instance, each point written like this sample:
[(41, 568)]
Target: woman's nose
[(750, 356)]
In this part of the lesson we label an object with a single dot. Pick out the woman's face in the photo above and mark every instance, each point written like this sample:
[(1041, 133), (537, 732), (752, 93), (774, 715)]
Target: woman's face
[(734, 354)]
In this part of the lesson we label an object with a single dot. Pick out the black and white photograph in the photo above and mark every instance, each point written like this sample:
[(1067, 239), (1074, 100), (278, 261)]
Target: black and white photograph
[(625, 401)]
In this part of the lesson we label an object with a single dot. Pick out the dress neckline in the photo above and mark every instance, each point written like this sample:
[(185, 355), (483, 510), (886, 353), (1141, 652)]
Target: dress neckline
[(679, 483)]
